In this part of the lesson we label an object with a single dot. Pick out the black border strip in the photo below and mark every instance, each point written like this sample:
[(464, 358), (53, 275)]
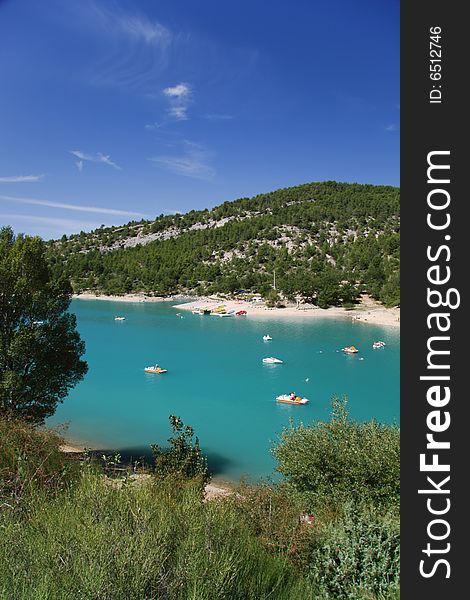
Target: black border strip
[(428, 127)]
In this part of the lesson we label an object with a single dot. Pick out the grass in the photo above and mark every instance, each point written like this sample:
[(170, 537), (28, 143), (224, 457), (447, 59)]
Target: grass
[(30, 458), (154, 540)]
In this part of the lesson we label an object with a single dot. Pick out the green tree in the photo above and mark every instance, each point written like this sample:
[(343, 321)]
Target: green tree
[(272, 297), (349, 294), (328, 290), (184, 456), (40, 349)]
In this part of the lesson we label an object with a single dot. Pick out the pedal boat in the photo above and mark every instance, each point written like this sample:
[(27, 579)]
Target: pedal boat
[(286, 399)]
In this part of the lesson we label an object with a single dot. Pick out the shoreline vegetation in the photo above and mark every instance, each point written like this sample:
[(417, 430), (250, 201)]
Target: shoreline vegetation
[(94, 526), (367, 311), (218, 487)]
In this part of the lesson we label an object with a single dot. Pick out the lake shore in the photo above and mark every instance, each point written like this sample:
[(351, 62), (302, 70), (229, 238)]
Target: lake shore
[(368, 311), (217, 488)]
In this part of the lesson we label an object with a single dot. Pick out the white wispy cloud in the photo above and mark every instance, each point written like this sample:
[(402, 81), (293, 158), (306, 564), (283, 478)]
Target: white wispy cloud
[(96, 158), (75, 207), (137, 47), (21, 179), (142, 29), (179, 97), (136, 26), (107, 161), (194, 161), (391, 127)]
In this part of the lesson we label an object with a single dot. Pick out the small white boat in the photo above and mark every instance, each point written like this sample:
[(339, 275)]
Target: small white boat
[(271, 360), (228, 314), (378, 344), (119, 318), (287, 399), (266, 338)]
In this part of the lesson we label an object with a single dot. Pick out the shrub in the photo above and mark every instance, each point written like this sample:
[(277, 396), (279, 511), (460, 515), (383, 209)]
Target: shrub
[(334, 461), (184, 456), (30, 458), (357, 556)]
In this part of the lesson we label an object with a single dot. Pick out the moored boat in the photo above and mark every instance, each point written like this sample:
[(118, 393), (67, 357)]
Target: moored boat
[(272, 360), (219, 309), (266, 338), (119, 318)]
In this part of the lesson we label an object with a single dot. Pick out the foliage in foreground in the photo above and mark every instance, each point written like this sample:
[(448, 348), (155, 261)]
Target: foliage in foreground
[(154, 540), (30, 459), (357, 556), (40, 349), (68, 531), (353, 553)]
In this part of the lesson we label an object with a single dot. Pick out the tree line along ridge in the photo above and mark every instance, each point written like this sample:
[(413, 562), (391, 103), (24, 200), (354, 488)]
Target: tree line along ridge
[(327, 242)]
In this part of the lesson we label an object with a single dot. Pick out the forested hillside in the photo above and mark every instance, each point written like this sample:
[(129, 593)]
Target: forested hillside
[(327, 242)]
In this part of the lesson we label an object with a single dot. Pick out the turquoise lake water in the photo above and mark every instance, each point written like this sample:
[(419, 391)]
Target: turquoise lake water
[(216, 380)]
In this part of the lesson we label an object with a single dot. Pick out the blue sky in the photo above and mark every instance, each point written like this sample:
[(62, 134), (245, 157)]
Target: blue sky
[(116, 110)]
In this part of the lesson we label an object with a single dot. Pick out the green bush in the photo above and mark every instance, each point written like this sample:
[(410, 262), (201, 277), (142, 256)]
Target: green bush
[(332, 462), (357, 556)]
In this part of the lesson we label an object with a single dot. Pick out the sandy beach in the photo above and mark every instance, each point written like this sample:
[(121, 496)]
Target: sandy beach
[(69, 448), (367, 311)]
